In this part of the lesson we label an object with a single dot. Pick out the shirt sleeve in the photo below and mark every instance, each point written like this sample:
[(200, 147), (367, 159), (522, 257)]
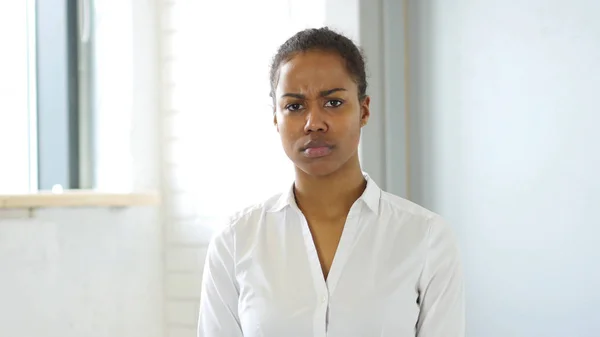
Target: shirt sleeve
[(441, 288), (218, 316)]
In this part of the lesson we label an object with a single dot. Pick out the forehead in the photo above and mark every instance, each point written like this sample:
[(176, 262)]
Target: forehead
[(314, 71)]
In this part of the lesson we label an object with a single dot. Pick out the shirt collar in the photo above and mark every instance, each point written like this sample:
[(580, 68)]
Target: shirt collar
[(370, 197)]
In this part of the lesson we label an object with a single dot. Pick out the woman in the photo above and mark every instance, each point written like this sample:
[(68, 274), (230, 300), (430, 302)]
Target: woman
[(333, 255)]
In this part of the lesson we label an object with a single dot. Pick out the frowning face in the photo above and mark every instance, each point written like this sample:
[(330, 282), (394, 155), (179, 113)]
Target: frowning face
[(318, 112)]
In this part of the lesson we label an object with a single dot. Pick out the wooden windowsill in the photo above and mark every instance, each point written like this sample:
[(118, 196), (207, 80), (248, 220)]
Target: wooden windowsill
[(78, 198)]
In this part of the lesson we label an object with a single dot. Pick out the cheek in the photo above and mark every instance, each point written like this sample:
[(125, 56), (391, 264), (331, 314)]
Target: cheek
[(285, 133), (353, 134)]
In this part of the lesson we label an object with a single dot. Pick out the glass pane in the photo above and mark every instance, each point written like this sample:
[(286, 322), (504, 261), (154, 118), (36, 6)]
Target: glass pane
[(112, 64), (14, 99)]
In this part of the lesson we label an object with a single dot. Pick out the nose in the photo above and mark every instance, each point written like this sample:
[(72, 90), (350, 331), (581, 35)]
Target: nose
[(315, 121)]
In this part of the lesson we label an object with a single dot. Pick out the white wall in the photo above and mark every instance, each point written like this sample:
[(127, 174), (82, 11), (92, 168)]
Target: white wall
[(81, 272), (505, 116)]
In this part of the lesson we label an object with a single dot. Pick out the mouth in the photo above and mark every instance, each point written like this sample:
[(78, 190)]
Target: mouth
[(317, 152), (316, 149)]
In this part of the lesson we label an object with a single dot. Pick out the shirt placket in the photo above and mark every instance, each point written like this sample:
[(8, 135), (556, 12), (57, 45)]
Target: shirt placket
[(323, 288)]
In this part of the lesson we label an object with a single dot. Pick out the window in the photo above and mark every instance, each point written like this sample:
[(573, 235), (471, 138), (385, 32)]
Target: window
[(67, 95), (15, 30)]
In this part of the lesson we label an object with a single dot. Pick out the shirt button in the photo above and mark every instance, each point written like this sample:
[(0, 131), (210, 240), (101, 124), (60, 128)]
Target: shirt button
[(323, 299)]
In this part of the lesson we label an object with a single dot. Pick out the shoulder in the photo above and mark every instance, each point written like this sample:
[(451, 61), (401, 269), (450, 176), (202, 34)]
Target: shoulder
[(432, 226), (424, 228), (396, 204), (410, 212), (247, 217)]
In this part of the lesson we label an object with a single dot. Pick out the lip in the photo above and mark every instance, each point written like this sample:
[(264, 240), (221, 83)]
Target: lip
[(316, 149)]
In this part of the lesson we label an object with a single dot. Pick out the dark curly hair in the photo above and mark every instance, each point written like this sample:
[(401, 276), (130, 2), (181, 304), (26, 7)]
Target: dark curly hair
[(323, 39)]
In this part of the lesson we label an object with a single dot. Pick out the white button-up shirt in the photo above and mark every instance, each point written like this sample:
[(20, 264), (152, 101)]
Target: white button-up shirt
[(396, 273)]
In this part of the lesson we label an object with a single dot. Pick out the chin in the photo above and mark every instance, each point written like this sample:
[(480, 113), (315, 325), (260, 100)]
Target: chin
[(318, 169)]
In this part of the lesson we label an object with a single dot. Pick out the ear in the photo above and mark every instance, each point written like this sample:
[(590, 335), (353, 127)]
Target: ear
[(365, 111)]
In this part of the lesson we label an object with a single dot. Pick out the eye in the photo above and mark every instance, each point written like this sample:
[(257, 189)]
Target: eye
[(333, 103), (293, 107)]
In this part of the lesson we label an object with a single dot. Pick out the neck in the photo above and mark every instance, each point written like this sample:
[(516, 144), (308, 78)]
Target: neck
[(331, 196)]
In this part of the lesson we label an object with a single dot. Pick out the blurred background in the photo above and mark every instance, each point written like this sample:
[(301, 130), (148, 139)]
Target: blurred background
[(129, 130)]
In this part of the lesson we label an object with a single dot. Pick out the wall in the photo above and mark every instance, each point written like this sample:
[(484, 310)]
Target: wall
[(504, 139), (384, 148), (81, 272)]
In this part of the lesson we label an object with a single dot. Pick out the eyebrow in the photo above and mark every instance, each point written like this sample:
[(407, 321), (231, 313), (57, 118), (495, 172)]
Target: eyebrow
[(323, 93)]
